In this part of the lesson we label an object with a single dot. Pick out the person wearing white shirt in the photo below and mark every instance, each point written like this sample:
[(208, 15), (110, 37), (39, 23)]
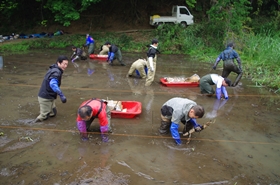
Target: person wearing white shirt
[(221, 83), (151, 60)]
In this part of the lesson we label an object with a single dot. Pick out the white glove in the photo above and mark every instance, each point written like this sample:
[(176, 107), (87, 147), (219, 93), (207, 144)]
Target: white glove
[(151, 64)]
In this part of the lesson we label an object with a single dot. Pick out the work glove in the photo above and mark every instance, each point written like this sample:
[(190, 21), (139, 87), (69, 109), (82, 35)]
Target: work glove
[(214, 67), (62, 97), (224, 91), (104, 133), (175, 134), (74, 58), (111, 56), (197, 127), (218, 93), (81, 125)]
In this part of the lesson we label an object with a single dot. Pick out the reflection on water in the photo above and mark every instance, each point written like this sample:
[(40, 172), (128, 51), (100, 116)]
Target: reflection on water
[(1, 62), (241, 147)]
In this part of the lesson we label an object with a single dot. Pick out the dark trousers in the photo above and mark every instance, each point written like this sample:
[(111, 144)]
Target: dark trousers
[(230, 66)]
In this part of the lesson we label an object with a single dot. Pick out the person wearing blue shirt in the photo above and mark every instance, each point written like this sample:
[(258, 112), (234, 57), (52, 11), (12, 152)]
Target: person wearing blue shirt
[(228, 56), (178, 110), (50, 88), (90, 44)]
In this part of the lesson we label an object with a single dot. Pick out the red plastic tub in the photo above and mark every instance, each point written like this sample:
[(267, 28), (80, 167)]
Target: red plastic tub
[(98, 57), (178, 84), (134, 108)]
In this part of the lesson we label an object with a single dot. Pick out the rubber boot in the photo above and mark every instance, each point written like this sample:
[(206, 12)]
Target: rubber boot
[(54, 111), (164, 127), (238, 78)]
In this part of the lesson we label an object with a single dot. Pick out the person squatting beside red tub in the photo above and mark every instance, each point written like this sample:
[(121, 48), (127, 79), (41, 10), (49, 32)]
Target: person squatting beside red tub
[(88, 111)]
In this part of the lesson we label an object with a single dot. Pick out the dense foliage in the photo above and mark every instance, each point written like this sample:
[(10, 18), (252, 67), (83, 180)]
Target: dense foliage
[(30, 13)]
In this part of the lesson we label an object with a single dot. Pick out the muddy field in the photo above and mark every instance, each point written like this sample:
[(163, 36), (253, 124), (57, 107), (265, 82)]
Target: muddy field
[(242, 146)]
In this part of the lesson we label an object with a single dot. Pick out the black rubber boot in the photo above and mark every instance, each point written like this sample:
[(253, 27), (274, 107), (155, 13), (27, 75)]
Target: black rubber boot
[(54, 112), (238, 78), (164, 127)]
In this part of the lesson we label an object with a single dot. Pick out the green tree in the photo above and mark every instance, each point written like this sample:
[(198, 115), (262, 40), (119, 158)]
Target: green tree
[(191, 3), (7, 8), (67, 11), (232, 14)]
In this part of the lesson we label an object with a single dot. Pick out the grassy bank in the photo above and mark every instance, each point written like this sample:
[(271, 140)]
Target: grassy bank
[(259, 53)]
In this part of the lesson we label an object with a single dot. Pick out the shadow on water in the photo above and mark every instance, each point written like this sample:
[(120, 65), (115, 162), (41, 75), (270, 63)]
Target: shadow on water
[(240, 147)]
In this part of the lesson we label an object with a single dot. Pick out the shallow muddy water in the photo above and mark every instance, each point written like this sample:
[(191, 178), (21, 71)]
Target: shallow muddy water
[(242, 146)]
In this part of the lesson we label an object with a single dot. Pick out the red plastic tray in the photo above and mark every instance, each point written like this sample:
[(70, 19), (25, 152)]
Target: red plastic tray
[(178, 84), (98, 57), (134, 108)]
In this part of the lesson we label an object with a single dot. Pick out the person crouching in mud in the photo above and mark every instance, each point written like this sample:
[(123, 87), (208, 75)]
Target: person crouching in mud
[(178, 110), (88, 111)]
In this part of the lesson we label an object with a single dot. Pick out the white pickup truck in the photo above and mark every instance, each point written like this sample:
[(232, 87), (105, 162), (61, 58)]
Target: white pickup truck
[(180, 15)]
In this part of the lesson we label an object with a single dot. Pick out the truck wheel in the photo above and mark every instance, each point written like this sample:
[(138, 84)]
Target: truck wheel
[(184, 24)]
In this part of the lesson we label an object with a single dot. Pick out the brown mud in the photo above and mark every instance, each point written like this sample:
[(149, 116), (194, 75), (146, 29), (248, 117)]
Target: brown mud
[(241, 147)]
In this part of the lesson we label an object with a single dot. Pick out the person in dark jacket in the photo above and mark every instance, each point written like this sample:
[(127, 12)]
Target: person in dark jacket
[(88, 111), (114, 53), (78, 54), (50, 88), (151, 60), (228, 56)]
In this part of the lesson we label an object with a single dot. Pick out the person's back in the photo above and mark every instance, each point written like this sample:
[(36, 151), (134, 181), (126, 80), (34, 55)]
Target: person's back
[(79, 52), (140, 67), (104, 50), (113, 48), (228, 56)]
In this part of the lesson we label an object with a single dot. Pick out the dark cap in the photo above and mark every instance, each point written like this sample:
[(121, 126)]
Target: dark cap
[(227, 81), (154, 41), (230, 44), (107, 43), (61, 58)]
